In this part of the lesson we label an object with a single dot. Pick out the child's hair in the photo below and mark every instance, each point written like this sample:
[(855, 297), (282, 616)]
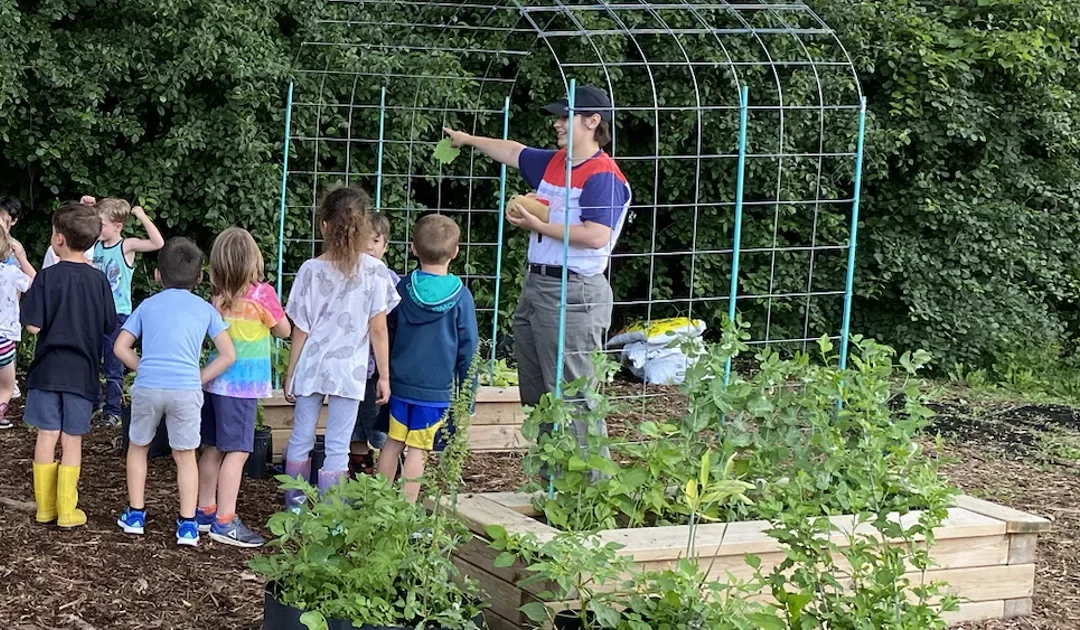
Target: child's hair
[(235, 264), (380, 225), (12, 206), (435, 237), (347, 231), (79, 225), (180, 264), (115, 210), (5, 244)]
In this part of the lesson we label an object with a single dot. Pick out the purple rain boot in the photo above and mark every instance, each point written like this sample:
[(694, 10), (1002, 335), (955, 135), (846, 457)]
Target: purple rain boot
[(330, 478), (294, 499)]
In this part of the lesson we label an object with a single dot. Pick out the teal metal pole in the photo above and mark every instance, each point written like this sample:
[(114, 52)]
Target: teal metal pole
[(284, 180), (499, 250), (379, 168), (565, 257), (565, 239), (845, 329), (281, 208), (740, 179)]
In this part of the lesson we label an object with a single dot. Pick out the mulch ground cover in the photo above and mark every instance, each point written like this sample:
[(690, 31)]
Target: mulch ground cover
[(96, 577)]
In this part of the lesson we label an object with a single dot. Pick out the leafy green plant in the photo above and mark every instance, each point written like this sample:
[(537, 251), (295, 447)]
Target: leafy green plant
[(363, 553), (569, 566), (502, 376), (795, 442)]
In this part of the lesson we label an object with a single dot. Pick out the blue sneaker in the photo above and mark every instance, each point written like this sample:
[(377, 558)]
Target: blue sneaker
[(205, 520), (187, 533), (132, 521), (235, 533)]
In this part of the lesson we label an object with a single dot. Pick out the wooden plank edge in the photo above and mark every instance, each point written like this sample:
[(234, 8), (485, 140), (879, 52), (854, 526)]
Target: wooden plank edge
[(1016, 521)]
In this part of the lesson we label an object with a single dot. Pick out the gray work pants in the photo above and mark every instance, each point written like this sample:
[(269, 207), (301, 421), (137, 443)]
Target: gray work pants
[(536, 333)]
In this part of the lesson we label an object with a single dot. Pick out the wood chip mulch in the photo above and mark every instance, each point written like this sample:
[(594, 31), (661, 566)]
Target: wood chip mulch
[(96, 578)]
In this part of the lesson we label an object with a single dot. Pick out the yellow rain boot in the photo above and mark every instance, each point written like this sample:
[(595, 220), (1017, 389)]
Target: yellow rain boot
[(45, 492), (67, 498)]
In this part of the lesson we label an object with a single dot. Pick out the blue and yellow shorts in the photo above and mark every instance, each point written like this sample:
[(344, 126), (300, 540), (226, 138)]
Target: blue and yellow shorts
[(420, 425)]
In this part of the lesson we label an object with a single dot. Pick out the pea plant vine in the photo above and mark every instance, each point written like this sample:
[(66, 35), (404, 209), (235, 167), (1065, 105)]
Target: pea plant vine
[(849, 490)]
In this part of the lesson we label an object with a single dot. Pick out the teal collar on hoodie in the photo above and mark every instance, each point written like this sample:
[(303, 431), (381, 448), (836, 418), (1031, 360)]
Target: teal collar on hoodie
[(434, 293)]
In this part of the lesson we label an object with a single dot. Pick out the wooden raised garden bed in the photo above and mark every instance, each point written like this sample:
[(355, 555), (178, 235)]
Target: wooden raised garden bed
[(495, 427), (986, 552)]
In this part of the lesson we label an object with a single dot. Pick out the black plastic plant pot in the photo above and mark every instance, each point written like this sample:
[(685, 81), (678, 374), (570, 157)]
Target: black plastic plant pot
[(255, 468), (159, 447), (278, 616), (571, 620)]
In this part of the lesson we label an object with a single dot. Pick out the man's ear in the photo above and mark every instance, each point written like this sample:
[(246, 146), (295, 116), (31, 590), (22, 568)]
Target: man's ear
[(157, 275)]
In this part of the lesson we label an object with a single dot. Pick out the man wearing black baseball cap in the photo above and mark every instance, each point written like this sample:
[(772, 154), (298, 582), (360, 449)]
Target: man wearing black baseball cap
[(599, 197)]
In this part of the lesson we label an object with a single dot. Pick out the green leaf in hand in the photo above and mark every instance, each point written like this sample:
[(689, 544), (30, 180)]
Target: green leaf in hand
[(444, 152)]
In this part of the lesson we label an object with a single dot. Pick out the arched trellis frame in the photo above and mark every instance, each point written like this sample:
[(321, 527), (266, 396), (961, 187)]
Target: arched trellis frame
[(738, 124)]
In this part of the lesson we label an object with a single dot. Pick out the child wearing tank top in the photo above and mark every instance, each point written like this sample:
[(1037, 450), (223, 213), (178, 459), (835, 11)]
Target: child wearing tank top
[(114, 256)]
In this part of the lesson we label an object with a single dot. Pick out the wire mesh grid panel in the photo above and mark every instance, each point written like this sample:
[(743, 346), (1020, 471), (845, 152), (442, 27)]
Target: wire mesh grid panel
[(384, 77)]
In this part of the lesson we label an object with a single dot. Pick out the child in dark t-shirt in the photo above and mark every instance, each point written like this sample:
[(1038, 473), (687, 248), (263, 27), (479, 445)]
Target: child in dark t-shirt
[(70, 308)]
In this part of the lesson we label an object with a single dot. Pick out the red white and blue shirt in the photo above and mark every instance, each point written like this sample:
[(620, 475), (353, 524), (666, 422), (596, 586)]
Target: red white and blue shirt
[(599, 193)]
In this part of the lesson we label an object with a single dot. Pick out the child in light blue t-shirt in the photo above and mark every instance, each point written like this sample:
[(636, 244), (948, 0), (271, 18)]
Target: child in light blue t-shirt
[(173, 326)]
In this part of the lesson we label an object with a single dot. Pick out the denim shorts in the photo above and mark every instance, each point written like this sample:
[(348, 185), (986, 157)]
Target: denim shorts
[(228, 423), (182, 409), (58, 411)]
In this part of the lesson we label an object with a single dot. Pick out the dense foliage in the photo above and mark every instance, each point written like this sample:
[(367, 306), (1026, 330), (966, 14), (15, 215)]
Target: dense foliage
[(775, 446), (970, 202)]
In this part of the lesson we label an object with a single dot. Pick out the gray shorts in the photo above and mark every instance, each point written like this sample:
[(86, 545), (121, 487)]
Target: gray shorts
[(182, 409)]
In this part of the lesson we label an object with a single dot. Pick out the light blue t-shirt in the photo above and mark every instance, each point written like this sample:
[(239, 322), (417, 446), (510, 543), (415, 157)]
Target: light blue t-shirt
[(173, 326)]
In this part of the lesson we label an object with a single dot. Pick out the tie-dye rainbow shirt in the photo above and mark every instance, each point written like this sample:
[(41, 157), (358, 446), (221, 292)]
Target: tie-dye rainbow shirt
[(249, 322)]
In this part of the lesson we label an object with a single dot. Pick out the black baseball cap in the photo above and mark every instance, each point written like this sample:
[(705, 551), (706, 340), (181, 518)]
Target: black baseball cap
[(588, 100)]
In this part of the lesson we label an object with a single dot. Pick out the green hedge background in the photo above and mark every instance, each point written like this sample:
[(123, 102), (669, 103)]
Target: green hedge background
[(971, 203)]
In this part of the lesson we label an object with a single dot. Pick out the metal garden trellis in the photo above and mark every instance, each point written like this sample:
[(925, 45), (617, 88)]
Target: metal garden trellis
[(738, 124)]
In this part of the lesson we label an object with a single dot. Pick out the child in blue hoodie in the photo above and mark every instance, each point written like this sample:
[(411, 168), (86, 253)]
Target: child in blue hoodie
[(432, 341)]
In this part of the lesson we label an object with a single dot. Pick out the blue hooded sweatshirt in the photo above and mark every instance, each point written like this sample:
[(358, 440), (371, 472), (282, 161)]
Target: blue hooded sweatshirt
[(433, 337)]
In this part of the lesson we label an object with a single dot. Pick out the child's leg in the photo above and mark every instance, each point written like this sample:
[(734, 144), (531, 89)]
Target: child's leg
[(209, 463), (305, 417), (45, 447), (389, 457), (70, 450), (75, 412), (183, 416), (413, 471), (187, 481), (235, 439), (8, 350), (147, 407), (209, 468), (114, 374), (136, 475), (362, 460), (232, 472), (340, 420)]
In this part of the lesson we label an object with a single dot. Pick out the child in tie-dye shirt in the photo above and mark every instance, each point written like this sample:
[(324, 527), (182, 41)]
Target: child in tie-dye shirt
[(254, 314)]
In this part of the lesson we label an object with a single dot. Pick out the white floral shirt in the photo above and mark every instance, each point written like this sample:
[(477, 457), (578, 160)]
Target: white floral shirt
[(12, 282), (335, 311)]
